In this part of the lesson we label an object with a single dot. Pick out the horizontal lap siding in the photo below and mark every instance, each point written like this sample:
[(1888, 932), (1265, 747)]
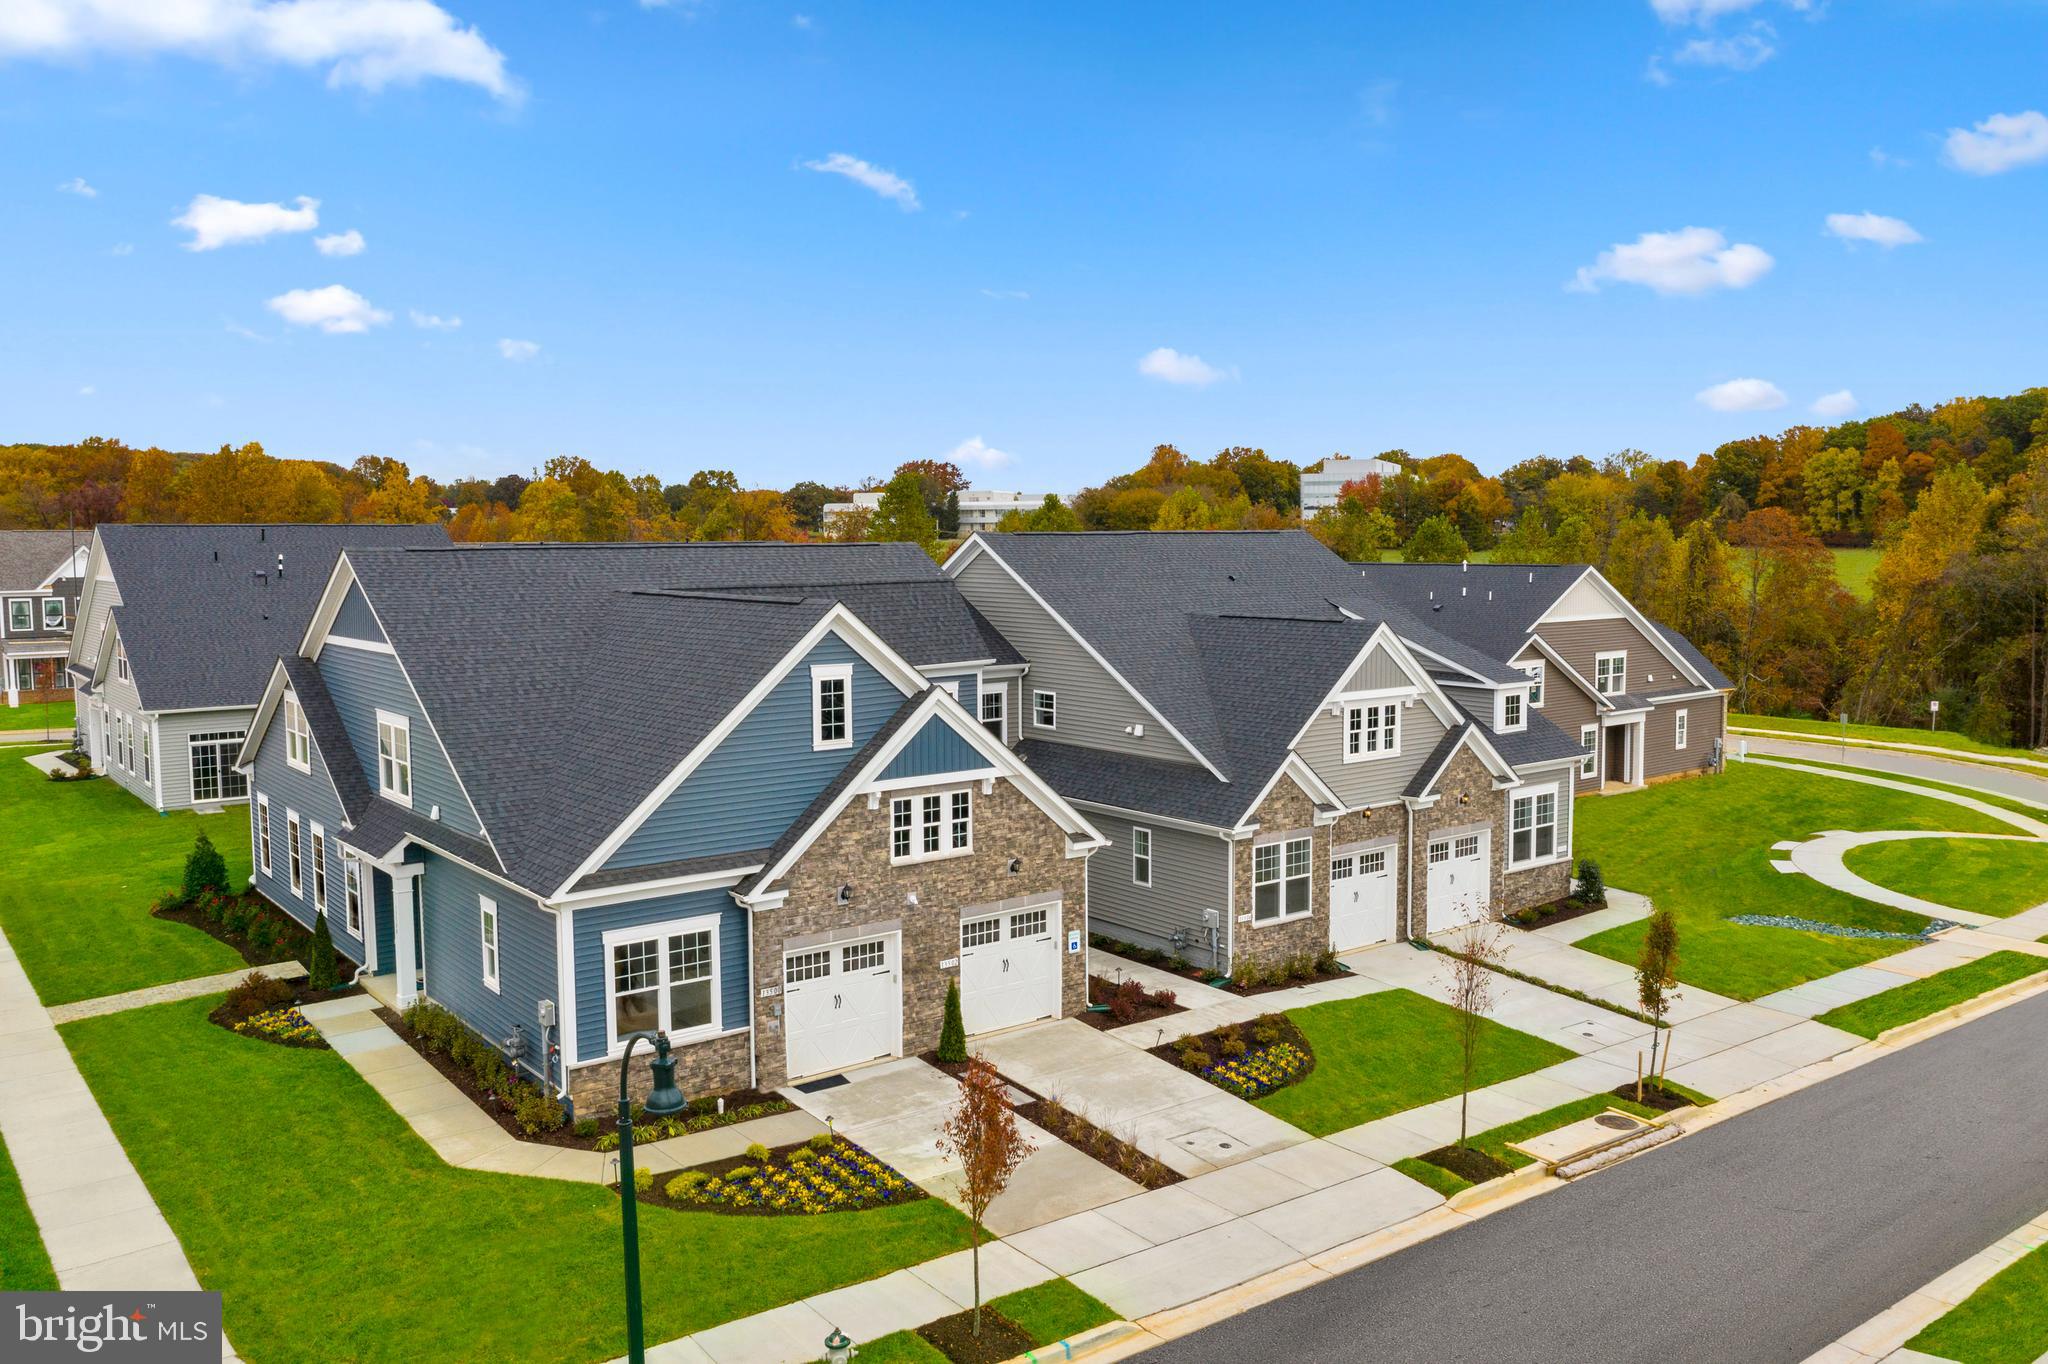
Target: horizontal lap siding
[(933, 751), (1569, 708), (1378, 780), (765, 773), (354, 619), (174, 753), (1579, 641), (1094, 708), (1661, 755), (313, 797), (969, 685), (1190, 873), (592, 996), (452, 925), (363, 683)]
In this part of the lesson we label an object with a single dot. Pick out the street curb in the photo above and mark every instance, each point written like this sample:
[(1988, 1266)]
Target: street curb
[(1493, 1190), (1088, 1344), (1960, 755), (1906, 1033)]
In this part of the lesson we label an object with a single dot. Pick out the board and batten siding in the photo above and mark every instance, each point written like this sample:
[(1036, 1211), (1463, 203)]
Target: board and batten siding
[(1094, 709), (1373, 781), (312, 795), (1190, 873), (1704, 720), (452, 933), (967, 684), (362, 683), (934, 751), (593, 999), (765, 773)]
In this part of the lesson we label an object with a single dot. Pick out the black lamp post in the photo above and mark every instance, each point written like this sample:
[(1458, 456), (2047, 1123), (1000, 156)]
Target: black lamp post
[(664, 1101)]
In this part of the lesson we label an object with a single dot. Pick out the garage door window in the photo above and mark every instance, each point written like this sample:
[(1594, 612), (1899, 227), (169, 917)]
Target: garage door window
[(663, 978), (799, 967), (981, 932), (1372, 863), (1029, 924), (1341, 868), (865, 956)]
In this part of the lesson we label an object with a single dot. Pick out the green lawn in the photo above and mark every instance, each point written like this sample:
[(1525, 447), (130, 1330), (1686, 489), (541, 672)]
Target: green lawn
[(2033, 809), (318, 1215), (1383, 1053), (24, 1265), (1999, 877), (1932, 994), (1494, 1141), (1889, 734), (59, 718), (1703, 849), (1052, 1312), (2004, 1322), (84, 862), (1853, 568)]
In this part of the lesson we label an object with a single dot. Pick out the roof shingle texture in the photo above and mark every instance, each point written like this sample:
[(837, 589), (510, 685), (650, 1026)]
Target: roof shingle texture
[(29, 556)]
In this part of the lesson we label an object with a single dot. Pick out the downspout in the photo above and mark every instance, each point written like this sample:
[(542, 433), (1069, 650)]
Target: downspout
[(754, 1000), (1408, 876)]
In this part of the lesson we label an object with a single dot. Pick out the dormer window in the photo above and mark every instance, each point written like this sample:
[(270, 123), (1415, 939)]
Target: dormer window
[(1610, 673), (1512, 715), (120, 661), (1372, 731), (298, 740), (832, 706), (20, 615), (53, 613)]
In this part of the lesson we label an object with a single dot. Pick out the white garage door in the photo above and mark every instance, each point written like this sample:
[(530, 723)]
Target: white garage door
[(841, 1005), (1010, 968), (1460, 881), (1361, 899)]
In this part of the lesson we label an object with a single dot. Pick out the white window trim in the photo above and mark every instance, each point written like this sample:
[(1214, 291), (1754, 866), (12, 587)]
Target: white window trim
[(148, 753), (1538, 681), (295, 853), (1053, 709), (58, 623), (663, 932), (1001, 696), (263, 833), (950, 686), (120, 660), (352, 895), (1283, 844), (821, 673), (401, 725), (298, 739), (1139, 831), (916, 800), (27, 622), (1366, 755), (490, 945), (1680, 724), (1589, 759), (1501, 723), (1620, 675), (319, 836), (1558, 851)]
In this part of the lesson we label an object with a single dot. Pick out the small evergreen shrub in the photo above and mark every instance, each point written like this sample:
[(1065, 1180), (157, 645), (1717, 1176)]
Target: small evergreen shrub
[(757, 1152), (643, 1179), (321, 973), (205, 869), (685, 1186), (263, 934), (537, 1112), (953, 1032), (236, 916), (586, 1128), (821, 1143), (1592, 883), (1231, 1046)]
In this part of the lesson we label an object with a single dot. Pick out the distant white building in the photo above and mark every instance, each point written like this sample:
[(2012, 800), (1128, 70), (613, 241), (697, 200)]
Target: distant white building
[(1320, 489), (980, 508)]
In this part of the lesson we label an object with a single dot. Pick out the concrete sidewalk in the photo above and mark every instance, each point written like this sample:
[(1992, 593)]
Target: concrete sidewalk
[(1822, 858), (165, 994)]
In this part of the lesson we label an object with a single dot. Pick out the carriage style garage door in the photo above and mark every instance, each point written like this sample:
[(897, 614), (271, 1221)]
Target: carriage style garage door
[(1361, 899), (1460, 880), (1010, 968), (842, 1005)]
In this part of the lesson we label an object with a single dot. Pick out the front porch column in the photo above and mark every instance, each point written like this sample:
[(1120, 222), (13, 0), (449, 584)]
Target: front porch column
[(405, 954)]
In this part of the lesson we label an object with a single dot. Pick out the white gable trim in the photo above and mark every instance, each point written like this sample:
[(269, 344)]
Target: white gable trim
[(936, 705), (1479, 678), (976, 545), (1627, 611), (1504, 774), (96, 572), (1578, 679), (1426, 688), (1314, 787), (838, 620), (642, 890)]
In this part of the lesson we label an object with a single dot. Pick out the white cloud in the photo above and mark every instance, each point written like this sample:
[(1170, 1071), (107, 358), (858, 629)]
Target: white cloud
[(1742, 52), (1655, 73), (1700, 11), (76, 185), (1835, 406), (1016, 294), (1170, 366), (1691, 260), (518, 351), (979, 453), (800, 21), (433, 322), (349, 243), (365, 43), (85, 390), (1873, 227), (2000, 143), (216, 222), (335, 309), (1884, 160), (888, 184), (237, 329), (121, 249), (1743, 395), (1376, 102)]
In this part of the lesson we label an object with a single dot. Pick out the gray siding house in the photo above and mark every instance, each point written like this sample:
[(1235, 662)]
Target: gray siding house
[(40, 573), (176, 631), (774, 826)]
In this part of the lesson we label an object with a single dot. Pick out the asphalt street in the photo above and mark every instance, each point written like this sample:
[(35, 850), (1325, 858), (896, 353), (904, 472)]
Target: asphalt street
[(1880, 762), (1761, 1239)]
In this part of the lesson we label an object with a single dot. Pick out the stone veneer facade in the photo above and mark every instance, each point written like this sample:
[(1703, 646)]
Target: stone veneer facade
[(1465, 799), (854, 851), (1286, 809), (718, 1066)]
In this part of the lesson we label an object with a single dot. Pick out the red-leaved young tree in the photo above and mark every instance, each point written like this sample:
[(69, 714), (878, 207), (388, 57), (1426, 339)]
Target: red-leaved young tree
[(981, 1133)]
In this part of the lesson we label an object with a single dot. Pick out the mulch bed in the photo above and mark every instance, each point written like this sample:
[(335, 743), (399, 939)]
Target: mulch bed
[(225, 1016), (1654, 1096), (954, 1337), (658, 1197), (1210, 1042), (1138, 1005), (1556, 912), (1474, 1167), (1076, 1131), (292, 938), (1180, 966), (1316, 977)]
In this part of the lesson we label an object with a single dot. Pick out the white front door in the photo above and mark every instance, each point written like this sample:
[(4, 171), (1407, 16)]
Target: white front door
[(841, 1005), (1460, 881), (1010, 968), (1361, 899)]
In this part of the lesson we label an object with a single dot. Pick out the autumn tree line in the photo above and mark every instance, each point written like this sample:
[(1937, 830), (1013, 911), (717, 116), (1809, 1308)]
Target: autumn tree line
[(1732, 547)]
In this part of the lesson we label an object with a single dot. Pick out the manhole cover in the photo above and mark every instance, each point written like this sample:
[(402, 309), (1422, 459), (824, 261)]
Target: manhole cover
[(1618, 1122), (1207, 1142)]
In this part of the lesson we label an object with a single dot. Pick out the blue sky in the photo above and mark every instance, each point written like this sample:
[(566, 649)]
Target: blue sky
[(1329, 227)]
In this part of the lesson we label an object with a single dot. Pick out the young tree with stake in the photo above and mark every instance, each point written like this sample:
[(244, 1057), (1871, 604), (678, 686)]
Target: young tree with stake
[(1657, 982), (982, 1134), (1470, 978)]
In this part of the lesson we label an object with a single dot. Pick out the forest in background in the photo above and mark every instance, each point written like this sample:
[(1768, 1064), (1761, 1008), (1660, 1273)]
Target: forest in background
[(1732, 547)]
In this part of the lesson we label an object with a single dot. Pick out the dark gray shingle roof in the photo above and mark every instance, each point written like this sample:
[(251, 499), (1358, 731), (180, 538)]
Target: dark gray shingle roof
[(1177, 790), (200, 628), (29, 556), (1701, 664)]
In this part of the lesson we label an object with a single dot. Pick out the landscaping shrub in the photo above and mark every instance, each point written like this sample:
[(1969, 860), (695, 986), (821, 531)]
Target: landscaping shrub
[(237, 915), (1326, 963), (1124, 1004), (1301, 968), (255, 994), (1266, 1029), (1166, 999), (321, 973), (643, 1179), (1231, 1046), (537, 1112), (953, 1032), (1194, 1058), (586, 1128), (1592, 883), (821, 1143), (757, 1152), (205, 869), (685, 1186), (263, 934)]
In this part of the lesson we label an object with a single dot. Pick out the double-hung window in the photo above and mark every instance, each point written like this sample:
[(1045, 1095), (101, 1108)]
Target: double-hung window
[(1535, 672), (319, 836), (147, 754), (53, 613), (1679, 739), (1045, 709), (932, 824), (120, 660), (1610, 673), (1141, 856), (20, 615), (1372, 731), (394, 758), (352, 892), (298, 739), (832, 706), (1532, 827), (1280, 879), (487, 909), (263, 833), (992, 717), (662, 978), (1589, 745), (292, 851)]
